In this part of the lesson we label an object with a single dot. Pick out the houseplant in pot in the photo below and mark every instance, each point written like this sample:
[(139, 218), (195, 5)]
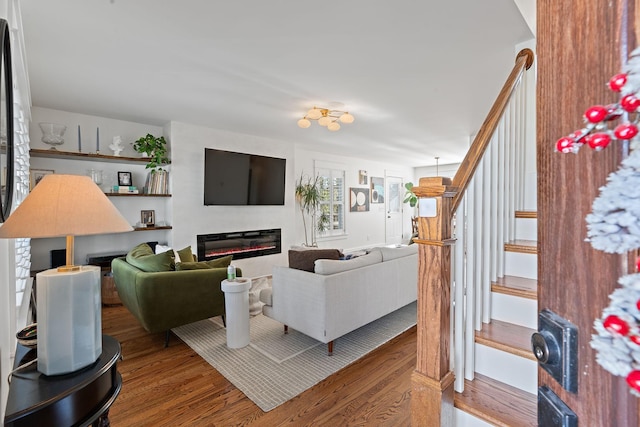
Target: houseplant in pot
[(411, 198), (155, 149), (309, 195)]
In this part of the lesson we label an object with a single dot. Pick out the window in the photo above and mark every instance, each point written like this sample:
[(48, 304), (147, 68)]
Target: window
[(332, 201)]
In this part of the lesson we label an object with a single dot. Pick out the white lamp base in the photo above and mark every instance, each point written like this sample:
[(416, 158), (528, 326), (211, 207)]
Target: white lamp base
[(69, 319)]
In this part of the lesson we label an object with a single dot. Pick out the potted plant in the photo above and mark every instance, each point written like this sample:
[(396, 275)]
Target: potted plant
[(155, 148), (411, 198), (308, 197)]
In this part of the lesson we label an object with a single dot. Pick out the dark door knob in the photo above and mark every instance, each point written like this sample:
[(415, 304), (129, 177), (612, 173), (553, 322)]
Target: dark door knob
[(545, 347)]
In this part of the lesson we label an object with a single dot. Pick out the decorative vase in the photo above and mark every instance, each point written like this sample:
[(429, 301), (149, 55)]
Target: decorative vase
[(52, 134)]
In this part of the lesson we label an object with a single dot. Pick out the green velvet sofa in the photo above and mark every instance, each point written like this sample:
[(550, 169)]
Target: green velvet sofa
[(167, 299)]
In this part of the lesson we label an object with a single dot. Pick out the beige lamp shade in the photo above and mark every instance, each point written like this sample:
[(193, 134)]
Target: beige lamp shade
[(64, 205)]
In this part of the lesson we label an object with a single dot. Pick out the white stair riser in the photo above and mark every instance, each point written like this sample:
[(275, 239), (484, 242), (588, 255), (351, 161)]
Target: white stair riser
[(521, 265), (521, 311), (464, 419), (526, 229), (507, 368)]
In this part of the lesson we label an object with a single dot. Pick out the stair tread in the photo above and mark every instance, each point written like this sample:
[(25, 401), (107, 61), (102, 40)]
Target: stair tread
[(516, 286), (509, 337), (498, 403), (526, 214), (522, 245)]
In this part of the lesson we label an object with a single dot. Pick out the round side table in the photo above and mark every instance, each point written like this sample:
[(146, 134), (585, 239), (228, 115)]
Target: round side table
[(236, 304)]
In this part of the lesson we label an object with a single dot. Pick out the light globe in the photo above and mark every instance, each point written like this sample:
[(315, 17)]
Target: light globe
[(304, 123), (347, 118)]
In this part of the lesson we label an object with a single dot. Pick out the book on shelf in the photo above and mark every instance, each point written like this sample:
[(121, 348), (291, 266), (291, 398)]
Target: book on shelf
[(126, 189), (157, 183)]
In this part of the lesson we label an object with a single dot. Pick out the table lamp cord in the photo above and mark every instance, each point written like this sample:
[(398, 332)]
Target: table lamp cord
[(26, 365)]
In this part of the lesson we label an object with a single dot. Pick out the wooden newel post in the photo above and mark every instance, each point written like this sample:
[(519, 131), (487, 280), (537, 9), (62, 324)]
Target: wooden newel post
[(432, 380)]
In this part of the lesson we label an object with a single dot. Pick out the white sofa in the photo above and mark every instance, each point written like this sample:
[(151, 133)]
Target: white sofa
[(343, 295)]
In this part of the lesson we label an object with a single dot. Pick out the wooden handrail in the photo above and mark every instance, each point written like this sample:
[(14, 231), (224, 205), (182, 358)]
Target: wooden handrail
[(467, 168)]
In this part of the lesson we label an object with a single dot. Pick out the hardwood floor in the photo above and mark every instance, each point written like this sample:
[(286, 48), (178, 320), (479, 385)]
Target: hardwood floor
[(175, 387)]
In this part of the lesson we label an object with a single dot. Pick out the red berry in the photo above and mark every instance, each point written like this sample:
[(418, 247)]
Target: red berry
[(598, 141), (629, 103), (616, 325), (564, 145), (625, 131), (633, 379), (638, 304), (595, 114), (638, 265), (617, 81), (635, 339)]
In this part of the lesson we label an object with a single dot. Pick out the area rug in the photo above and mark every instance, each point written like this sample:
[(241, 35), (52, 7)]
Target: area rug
[(276, 367)]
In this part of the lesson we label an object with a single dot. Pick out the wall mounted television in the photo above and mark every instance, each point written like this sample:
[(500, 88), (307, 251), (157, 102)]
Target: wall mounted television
[(232, 179)]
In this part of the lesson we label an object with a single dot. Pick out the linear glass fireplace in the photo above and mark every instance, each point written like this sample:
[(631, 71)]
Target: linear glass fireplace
[(240, 244)]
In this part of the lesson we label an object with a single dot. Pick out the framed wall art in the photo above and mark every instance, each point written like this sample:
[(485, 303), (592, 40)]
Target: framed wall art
[(377, 190), (359, 199), (362, 177)]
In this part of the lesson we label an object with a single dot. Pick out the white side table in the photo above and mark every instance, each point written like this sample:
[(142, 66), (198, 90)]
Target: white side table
[(236, 304)]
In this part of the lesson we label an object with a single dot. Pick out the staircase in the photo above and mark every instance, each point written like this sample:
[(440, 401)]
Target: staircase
[(503, 391), (477, 294)]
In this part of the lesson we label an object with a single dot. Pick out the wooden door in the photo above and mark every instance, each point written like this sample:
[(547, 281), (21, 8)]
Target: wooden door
[(578, 49)]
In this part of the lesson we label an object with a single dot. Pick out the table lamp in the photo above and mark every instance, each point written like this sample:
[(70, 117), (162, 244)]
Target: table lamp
[(68, 298)]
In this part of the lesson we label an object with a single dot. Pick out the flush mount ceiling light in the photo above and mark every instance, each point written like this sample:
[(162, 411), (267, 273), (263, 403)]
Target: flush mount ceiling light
[(326, 117)]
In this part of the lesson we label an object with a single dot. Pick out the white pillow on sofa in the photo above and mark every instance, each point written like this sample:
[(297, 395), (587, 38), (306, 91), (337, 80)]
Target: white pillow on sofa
[(331, 266), (389, 253)]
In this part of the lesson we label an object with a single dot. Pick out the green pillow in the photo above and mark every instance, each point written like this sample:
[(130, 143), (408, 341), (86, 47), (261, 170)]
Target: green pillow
[(201, 265), (142, 257), (185, 255)]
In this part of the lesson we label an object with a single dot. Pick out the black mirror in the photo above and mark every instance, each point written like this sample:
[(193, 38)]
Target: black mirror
[(6, 123)]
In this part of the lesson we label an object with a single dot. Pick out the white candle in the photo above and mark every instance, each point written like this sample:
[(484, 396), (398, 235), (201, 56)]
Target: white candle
[(97, 139), (79, 140)]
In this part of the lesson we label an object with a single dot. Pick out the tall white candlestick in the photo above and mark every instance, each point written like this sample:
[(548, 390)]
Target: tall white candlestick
[(79, 140)]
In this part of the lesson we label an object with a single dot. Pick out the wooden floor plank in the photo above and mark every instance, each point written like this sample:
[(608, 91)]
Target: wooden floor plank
[(514, 339), (497, 403), (526, 214), (516, 286), (522, 246), (174, 386)]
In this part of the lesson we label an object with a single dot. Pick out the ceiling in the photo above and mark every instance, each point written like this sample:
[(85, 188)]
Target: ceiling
[(418, 76)]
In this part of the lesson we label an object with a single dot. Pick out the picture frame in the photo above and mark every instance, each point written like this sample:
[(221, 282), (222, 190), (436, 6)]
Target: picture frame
[(125, 179), (35, 175), (148, 218), (359, 199), (363, 177), (377, 190)]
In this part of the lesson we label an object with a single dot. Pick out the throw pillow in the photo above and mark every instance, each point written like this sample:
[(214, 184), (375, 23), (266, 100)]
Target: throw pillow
[(184, 255), (304, 260), (142, 257), (162, 248), (223, 262)]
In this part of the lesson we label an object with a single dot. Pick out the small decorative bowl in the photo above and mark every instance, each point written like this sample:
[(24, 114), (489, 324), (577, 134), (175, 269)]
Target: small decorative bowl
[(28, 337)]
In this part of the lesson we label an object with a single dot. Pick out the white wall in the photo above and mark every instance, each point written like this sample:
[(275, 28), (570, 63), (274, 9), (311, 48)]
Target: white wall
[(531, 175), (363, 229), (191, 217), (447, 171)]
